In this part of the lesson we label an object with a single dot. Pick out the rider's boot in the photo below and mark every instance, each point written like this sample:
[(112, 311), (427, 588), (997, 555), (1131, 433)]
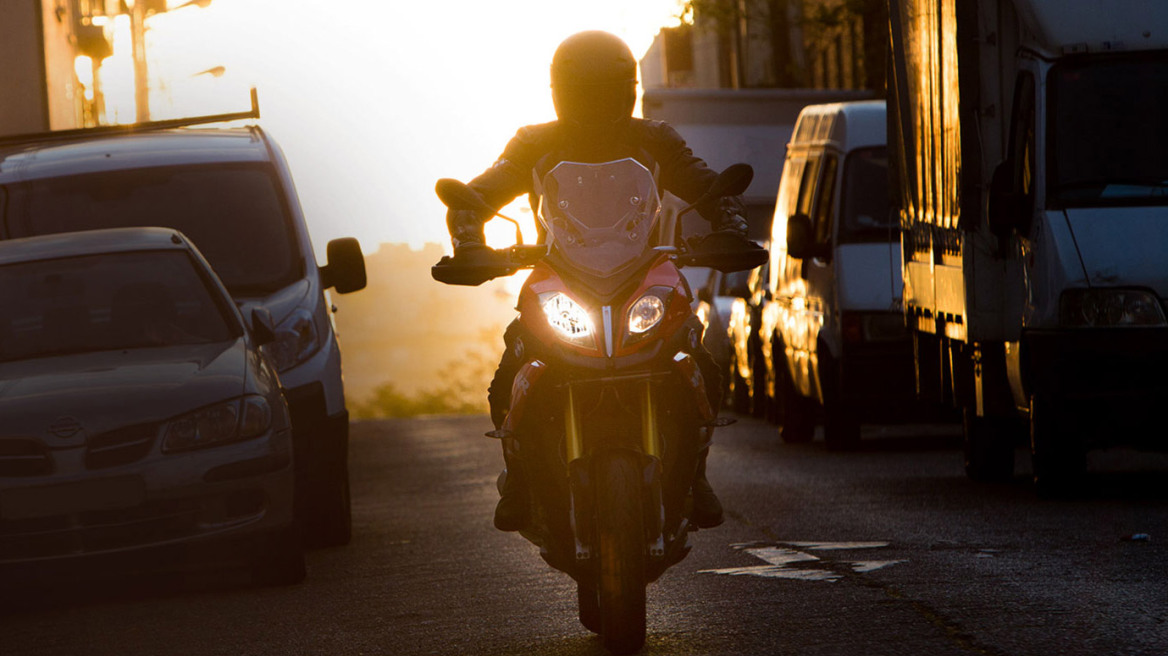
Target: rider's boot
[(707, 509), (511, 513)]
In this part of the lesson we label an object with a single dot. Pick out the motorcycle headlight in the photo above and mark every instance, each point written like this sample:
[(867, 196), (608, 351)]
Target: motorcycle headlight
[(296, 340), (645, 314), (568, 318), (1105, 308), (235, 420)]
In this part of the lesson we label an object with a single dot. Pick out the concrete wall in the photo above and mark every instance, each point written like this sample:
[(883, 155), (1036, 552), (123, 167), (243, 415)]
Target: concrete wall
[(23, 101)]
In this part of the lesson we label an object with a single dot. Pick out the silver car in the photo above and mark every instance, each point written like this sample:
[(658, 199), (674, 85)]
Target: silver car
[(137, 413)]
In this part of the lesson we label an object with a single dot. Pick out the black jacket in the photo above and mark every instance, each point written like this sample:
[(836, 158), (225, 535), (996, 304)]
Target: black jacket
[(536, 149)]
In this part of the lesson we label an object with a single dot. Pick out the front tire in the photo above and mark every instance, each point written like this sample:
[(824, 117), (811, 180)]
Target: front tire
[(588, 601), (620, 537)]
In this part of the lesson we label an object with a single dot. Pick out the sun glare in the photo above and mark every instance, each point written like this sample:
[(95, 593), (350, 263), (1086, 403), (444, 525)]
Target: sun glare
[(375, 102)]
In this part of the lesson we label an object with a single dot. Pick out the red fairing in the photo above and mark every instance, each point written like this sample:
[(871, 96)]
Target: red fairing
[(525, 381), (662, 274)]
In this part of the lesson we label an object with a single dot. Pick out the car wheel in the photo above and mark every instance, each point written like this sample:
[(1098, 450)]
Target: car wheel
[(739, 390)]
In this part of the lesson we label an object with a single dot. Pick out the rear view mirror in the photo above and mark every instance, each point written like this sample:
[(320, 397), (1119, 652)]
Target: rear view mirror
[(800, 237), (346, 266), (1004, 209), (263, 328)]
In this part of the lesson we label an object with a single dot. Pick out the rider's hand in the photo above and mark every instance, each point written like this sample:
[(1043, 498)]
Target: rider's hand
[(471, 253), (729, 217)]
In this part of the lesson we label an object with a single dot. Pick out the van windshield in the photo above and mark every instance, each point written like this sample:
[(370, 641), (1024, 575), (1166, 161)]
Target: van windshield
[(1108, 136), (865, 198), (233, 213)]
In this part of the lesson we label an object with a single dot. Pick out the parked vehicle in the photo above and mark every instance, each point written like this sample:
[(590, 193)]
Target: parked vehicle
[(610, 412), (751, 126), (137, 412), (748, 380), (1030, 178), (231, 192), (834, 333), (715, 304)]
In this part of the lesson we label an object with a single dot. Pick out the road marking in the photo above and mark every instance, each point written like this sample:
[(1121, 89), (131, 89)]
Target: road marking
[(785, 562)]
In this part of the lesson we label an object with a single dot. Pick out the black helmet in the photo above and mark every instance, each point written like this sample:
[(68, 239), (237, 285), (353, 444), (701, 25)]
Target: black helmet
[(594, 79)]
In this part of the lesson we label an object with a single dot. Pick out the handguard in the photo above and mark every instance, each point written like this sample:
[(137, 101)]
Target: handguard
[(452, 271), (727, 251)]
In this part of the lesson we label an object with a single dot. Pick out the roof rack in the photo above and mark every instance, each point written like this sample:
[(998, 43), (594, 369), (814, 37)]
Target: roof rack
[(253, 113)]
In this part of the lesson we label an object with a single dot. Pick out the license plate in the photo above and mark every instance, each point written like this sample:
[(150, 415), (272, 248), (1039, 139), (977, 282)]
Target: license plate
[(69, 498)]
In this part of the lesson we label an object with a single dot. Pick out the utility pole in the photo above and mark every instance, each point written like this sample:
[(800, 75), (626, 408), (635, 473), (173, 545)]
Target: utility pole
[(138, 46)]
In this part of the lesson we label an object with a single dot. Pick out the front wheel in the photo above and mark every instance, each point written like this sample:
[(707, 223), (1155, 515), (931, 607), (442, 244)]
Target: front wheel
[(620, 536)]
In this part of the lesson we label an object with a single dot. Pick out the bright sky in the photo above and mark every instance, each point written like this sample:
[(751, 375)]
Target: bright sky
[(374, 100)]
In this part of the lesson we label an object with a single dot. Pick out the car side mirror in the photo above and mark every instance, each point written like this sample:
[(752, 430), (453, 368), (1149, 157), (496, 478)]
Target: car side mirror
[(800, 237), (345, 270), (263, 327)]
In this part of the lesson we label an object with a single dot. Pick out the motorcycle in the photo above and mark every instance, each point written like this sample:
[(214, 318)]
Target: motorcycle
[(609, 412)]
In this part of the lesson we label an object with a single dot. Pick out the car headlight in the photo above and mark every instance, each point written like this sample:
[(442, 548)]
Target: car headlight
[(1105, 308), (296, 340), (646, 313), (235, 420), (568, 318)]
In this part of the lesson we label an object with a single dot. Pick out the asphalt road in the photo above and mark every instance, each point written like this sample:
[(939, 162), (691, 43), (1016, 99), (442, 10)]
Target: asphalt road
[(888, 550)]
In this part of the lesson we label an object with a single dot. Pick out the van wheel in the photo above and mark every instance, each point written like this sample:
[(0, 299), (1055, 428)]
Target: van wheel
[(798, 411), (327, 517), (841, 425)]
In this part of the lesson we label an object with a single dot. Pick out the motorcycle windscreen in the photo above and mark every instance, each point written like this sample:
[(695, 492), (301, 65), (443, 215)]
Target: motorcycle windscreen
[(600, 217)]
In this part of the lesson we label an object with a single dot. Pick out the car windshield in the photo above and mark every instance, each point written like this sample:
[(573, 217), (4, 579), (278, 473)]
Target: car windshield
[(234, 214), (1108, 136), (865, 198), (110, 301), (600, 217)]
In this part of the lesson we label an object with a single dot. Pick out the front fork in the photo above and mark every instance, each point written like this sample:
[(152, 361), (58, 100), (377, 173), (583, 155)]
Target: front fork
[(651, 448), (578, 475)]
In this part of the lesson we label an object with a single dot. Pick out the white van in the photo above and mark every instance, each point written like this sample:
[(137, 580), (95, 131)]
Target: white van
[(837, 339), (231, 192)]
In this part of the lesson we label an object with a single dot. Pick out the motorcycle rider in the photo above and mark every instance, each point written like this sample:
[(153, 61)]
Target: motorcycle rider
[(594, 87)]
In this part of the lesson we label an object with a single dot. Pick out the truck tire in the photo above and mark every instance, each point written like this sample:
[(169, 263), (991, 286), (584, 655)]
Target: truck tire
[(1057, 451), (989, 446), (620, 538)]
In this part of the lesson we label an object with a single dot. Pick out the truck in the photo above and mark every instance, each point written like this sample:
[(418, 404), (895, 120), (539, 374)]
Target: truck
[(1029, 173)]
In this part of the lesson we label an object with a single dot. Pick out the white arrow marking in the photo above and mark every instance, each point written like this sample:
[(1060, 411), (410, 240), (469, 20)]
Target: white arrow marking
[(780, 559)]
